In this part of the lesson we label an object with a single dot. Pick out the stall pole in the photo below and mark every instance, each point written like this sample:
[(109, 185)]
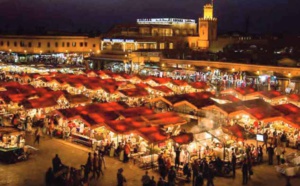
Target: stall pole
[(256, 136), (152, 159), (199, 156), (224, 154)]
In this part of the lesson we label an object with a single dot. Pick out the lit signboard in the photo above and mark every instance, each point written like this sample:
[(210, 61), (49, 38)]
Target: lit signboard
[(166, 21), (119, 40)]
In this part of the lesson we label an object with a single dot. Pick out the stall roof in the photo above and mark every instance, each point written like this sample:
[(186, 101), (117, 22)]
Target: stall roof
[(272, 94), (152, 134), (136, 111), (141, 85), (294, 97), (293, 120), (236, 130), (100, 107), (39, 103), (244, 91), (125, 125), (135, 92), (190, 97), (184, 138), (77, 99), (262, 113), (287, 109), (164, 119), (68, 113), (163, 89), (179, 82), (161, 81), (228, 98), (199, 85)]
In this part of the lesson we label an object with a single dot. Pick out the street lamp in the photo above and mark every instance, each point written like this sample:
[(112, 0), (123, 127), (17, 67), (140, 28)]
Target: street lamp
[(25, 52)]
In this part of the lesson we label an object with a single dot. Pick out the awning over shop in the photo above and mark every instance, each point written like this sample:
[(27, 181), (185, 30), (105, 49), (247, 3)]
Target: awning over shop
[(184, 138), (163, 89), (236, 131), (199, 85), (287, 109)]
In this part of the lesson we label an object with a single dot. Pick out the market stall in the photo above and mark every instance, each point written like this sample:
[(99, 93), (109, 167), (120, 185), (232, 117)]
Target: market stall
[(11, 140)]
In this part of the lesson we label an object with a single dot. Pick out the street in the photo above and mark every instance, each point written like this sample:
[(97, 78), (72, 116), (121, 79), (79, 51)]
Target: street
[(32, 171)]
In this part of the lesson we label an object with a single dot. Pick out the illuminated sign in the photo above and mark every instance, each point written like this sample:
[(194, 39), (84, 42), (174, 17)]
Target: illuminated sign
[(166, 21), (119, 40)]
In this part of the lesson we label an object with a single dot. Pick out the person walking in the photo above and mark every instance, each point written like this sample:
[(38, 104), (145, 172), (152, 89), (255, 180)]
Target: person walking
[(161, 182), (195, 168), (278, 151), (210, 177), (270, 150), (172, 176), (100, 163), (146, 179), (126, 152), (56, 163), (49, 177), (87, 167), (245, 172), (265, 137), (199, 180), (37, 136), (120, 178), (260, 154), (152, 182), (95, 167), (233, 162), (177, 157)]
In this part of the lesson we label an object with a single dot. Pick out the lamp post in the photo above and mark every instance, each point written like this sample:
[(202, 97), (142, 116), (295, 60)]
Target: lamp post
[(25, 52)]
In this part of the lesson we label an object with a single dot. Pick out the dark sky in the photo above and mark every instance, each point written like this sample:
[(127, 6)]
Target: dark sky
[(271, 16)]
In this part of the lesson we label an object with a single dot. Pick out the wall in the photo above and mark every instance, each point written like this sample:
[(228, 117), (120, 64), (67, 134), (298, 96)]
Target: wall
[(58, 44)]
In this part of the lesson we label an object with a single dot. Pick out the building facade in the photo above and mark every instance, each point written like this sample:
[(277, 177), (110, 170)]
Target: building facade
[(27, 44)]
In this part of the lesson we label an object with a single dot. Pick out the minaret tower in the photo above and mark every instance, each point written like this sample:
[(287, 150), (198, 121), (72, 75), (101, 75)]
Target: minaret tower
[(207, 26)]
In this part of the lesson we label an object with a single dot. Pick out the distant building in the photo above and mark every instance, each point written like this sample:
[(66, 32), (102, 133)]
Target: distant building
[(34, 44), (162, 34), (145, 34)]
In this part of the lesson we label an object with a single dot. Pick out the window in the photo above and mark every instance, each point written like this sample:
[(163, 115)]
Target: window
[(29, 44), (161, 45), (81, 44), (63, 44), (85, 44), (171, 46), (73, 44), (56, 44), (94, 45), (39, 44), (7, 43), (48, 44), (68, 44), (15, 44), (22, 43), (1, 43)]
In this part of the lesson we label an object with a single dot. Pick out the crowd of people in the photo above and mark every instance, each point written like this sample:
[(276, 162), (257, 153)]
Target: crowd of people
[(60, 174)]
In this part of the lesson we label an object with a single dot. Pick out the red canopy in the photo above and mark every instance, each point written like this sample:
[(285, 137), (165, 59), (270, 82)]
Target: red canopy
[(235, 130), (184, 138), (199, 85), (152, 134), (163, 89), (287, 109)]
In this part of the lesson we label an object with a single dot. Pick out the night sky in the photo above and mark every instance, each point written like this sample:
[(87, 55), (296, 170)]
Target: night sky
[(265, 16)]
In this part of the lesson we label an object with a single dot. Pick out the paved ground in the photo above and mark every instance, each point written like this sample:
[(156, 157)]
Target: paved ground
[(32, 172)]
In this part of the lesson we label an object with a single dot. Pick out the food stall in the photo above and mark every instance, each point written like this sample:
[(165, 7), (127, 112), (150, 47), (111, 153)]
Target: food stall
[(10, 141), (291, 167)]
